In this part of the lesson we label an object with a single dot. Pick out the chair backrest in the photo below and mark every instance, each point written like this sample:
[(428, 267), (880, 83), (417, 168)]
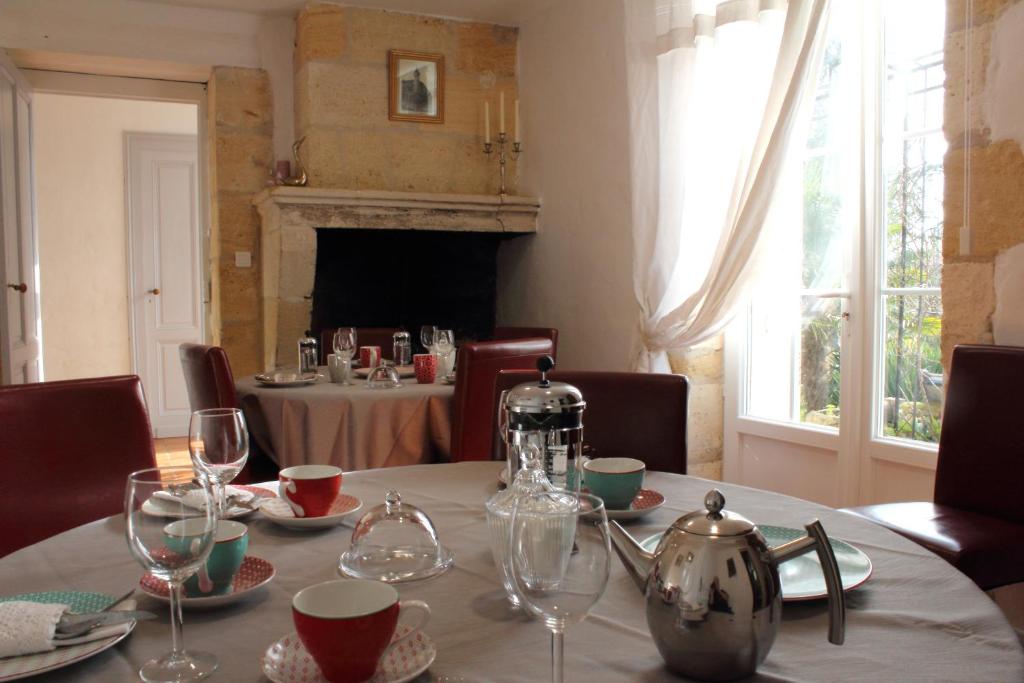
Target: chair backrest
[(208, 377), (365, 336), (473, 404), (504, 333), (67, 449), (981, 447), (628, 414)]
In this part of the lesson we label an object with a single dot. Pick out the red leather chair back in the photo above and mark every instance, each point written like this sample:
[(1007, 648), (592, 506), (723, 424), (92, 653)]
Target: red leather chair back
[(505, 333), (473, 406), (981, 448), (208, 377), (628, 414), (67, 449), (365, 336)]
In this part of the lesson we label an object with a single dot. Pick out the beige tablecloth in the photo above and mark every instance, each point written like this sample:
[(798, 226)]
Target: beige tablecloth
[(917, 619), (350, 426)]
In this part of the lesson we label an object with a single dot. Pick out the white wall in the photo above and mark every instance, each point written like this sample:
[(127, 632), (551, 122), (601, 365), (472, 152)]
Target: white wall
[(83, 266), (576, 273)]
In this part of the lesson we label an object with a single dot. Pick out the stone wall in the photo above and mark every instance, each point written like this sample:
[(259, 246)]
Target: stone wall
[(240, 129), (341, 101), (703, 365), (996, 192)]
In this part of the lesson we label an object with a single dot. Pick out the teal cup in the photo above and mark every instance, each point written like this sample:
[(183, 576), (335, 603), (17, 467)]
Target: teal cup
[(616, 481), (217, 576)]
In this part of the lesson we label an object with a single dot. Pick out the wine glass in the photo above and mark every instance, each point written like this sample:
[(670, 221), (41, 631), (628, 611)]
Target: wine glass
[(559, 557), (218, 442), (171, 550), (427, 333), (345, 345)]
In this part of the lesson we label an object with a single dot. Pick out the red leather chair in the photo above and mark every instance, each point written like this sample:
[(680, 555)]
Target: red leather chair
[(211, 384), (473, 406), (365, 336), (977, 519), (628, 414), (505, 333), (67, 449)]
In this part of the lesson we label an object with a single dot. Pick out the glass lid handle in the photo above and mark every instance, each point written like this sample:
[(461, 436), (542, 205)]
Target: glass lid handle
[(392, 499)]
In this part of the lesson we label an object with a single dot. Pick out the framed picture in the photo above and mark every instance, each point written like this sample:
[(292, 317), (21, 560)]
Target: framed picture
[(415, 86)]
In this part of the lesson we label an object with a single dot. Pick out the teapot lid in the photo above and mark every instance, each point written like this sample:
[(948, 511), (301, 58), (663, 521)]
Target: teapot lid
[(715, 520), (544, 396)]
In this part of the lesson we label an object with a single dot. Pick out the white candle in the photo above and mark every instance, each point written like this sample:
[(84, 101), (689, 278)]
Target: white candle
[(501, 119), (487, 122), (518, 137)]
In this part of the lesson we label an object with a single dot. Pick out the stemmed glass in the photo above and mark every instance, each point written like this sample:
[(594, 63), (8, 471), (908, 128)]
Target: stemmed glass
[(344, 342), (427, 333), (171, 551), (558, 558), (218, 442)]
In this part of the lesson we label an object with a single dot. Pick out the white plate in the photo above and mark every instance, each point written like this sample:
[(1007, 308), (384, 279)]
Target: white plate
[(646, 501), (13, 668), (287, 660), (287, 380), (279, 512), (254, 573), (404, 371), (160, 508)]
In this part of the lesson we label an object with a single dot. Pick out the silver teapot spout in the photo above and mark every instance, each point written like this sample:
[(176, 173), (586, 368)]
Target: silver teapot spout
[(638, 561)]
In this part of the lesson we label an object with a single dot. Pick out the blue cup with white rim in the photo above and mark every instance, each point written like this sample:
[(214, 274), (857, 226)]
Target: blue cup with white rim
[(616, 481), (217, 575)]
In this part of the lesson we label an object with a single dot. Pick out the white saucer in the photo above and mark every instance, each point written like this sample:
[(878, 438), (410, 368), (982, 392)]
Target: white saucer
[(159, 508), (287, 379), (254, 573), (287, 660), (279, 512)]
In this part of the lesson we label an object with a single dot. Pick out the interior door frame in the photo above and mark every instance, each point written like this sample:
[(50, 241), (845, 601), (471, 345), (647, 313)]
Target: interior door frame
[(119, 87)]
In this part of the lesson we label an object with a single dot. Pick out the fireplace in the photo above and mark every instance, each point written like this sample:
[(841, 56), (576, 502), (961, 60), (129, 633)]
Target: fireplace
[(391, 259)]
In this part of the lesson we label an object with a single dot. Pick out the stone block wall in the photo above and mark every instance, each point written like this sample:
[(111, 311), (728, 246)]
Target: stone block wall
[(996, 189), (240, 129), (703, 365), (341, 101)]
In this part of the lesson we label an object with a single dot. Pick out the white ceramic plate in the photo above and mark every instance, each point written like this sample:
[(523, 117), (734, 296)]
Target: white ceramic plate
[(287, 379), (159, 508), (13, 668), (287, 660), (646, 501), (801, 577), (404, 371), (254, 573), (279, 512)]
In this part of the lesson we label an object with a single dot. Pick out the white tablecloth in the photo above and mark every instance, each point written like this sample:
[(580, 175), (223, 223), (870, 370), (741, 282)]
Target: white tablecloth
[(917, 619), (351, 426)]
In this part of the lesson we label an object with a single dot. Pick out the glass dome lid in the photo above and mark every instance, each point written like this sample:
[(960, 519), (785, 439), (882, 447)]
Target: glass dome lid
[(395, 542)]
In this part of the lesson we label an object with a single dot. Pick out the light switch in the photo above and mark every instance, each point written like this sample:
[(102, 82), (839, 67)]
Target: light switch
[(243, 259)]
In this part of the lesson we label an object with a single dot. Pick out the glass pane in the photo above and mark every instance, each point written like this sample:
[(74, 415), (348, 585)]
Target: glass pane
[(820, 334), (912, 400)]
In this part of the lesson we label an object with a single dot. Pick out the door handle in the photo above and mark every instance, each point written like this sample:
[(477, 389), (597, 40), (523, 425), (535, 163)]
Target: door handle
[(155, 291), (19, 288)]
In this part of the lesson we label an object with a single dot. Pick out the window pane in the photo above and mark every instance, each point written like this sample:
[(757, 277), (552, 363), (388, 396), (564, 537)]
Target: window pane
[(913, 367), (820, 333)]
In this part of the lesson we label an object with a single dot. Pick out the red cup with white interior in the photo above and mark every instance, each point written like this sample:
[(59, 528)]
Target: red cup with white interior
[(369, 356), (309, 490), (425, 365), (347, 625)]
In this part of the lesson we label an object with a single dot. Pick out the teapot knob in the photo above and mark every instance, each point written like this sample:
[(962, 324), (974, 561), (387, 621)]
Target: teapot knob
[(714, 502)]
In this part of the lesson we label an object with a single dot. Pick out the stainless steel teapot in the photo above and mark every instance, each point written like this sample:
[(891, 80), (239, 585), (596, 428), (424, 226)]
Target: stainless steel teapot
[(712, 589)]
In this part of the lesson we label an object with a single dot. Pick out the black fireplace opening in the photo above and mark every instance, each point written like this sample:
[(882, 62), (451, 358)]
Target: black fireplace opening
[(405, 279)]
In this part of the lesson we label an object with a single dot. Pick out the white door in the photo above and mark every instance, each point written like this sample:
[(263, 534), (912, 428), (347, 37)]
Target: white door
[(20, 350), (165, 241)]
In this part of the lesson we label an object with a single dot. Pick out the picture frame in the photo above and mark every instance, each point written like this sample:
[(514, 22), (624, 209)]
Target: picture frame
[(415, 86)]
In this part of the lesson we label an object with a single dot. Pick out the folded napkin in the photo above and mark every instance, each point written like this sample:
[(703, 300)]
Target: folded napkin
[(28, 627), (195, 499)]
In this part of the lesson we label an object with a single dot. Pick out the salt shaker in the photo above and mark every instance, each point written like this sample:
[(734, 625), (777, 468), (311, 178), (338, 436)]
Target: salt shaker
[(402, 348), (308, 354)]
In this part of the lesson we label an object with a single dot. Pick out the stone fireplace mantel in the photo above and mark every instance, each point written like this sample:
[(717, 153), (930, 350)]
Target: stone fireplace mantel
[(290, 217)]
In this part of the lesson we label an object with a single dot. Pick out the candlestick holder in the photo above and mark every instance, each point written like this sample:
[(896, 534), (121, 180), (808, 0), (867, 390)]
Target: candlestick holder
[(489, 148)]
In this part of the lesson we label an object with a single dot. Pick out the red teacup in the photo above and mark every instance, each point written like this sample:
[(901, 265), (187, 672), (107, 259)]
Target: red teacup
[(369, 356), (425, 365), (347, 625), (310, 489)]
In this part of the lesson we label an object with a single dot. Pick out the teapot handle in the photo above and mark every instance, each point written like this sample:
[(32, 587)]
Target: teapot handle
[(818, 540)]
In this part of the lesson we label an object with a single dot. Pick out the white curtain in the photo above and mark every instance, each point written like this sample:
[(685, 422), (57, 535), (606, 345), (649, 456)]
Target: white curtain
[(716, 88)]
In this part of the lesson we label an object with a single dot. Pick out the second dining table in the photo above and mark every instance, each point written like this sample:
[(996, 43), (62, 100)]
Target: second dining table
[(350, 426)]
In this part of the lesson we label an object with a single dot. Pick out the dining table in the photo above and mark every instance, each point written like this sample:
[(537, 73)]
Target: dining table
[(916, 619), (350, 426)]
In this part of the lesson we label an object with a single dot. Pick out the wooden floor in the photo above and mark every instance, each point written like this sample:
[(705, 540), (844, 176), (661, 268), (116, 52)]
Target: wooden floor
[(172, 452)]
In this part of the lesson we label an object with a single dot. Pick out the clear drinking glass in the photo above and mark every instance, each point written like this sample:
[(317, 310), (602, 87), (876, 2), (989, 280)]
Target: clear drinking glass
[(218, 441), (172, 550), (427, 333), (444, 344), (345, 345), (558, 558)]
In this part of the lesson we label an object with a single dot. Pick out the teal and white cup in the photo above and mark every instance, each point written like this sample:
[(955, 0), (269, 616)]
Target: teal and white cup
[(616, 481), (217, 575)]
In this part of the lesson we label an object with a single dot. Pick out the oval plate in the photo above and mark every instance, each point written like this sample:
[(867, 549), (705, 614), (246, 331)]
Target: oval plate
[(156, 507), (801, 577), (273, 381)]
